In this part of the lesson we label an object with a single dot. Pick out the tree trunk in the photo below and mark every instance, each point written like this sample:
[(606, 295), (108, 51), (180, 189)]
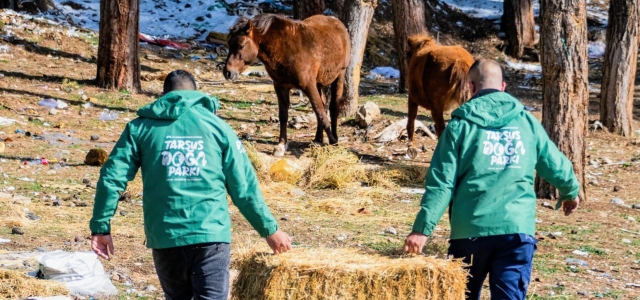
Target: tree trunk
[(357, 17), (10, 4), (303, 9), (620, 58), (519, 26), (408, 20), (118, 60), (563, 42)]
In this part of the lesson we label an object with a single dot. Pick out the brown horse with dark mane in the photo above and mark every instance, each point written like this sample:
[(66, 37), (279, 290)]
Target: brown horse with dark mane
[(305, 55), (437, 80)]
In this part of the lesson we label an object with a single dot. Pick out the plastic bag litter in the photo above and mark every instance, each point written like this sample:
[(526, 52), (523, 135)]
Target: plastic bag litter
[(7, 121), (81, 272), (53, 103), (284, 169)]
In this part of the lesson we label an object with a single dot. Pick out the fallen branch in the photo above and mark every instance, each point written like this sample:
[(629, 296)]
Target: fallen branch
[(629, 231)]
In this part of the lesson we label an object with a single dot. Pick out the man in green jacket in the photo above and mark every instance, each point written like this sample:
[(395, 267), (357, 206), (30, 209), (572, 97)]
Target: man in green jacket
[(190, 160), (483, 171)]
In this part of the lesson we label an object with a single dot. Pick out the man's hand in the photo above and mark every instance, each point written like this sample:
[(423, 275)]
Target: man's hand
[(570, 207), (415, 242), (100, 244), (279, 242)]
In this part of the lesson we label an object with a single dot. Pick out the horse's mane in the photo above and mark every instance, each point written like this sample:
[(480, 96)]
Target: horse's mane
[(261, 23)]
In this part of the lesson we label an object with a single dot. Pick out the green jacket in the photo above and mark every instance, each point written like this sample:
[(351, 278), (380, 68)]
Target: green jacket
[(483, 170), (190, 159)]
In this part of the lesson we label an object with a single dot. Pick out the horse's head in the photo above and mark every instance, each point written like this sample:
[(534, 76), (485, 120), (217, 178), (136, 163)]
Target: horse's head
[(243, 50)]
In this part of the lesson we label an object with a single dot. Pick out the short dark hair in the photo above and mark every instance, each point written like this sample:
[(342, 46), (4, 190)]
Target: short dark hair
[(179, 80)]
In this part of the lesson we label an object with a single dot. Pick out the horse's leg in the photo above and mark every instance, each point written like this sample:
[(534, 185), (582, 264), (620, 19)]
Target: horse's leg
[(337, 88), (283, 117), (318, 108), (438, 119), (411, 127), (319, 134)]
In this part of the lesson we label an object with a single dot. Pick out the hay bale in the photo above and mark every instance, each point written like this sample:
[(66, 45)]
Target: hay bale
[(96, 157), (347, 274), (16, 285), (333, 167), (398, 174)]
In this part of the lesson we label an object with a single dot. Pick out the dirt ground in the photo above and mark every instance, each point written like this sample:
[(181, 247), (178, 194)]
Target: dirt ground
[(55, 64)]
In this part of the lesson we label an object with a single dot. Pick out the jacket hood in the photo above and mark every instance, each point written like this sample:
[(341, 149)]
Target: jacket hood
[(492, 110), (174, 104)]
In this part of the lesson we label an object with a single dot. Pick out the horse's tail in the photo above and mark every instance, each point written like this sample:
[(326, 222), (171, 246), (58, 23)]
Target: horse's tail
[(460, 90)]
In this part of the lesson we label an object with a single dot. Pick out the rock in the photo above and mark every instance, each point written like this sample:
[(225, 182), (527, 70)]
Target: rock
[(626, 241), (581, 253), (298, 192), (285, 218), (79, 204), (538, 221), (150, 289), (573, 231), (123, 213), (546, 204), (78, 239), (593, 182), (367, 113), (95, 137), (630, 218), (582, 293), (341, 237), (617, 201), (53, 111), (86, 181), (635, 206), (617, 188), (607, 160), (391, 230), (56, 202), (96, 157), (17, 230)]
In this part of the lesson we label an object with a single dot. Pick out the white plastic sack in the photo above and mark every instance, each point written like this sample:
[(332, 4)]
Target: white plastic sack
[(81, 272)]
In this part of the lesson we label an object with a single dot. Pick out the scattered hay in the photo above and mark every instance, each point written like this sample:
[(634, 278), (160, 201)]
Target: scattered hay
[(347, 274), (257, 162), (12, 215), (333, 167), (134, 188), (397, 174), (16, 285), (343, 206)]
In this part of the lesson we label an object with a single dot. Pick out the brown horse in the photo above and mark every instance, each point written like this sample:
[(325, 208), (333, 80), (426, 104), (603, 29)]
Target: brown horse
[(437, 80), (305, 55)]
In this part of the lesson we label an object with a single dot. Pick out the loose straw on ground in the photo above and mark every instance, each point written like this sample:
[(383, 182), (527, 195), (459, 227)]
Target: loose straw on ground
[(16, 285)]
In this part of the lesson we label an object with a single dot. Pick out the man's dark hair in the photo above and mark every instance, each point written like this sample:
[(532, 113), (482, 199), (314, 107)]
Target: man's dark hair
[(179, 80)]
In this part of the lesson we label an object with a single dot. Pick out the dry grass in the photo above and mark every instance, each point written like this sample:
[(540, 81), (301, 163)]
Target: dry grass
[(347, 274), (11, 215), (14, 284), (398, 174), (258, 164), (333, 167)]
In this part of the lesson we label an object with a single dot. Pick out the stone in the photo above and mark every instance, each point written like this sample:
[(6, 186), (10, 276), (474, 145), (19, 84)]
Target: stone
[(123, 213), (96, 157), (86, 181), (57, 202), (151, 288), (285, 218), (95, 137), (546, 204), (17, 230), (342, 237), (617, 201), (617, 188), (391, 230), (635, 206), (607, 161), (626, 241), (630, 218), (53, 111), (582, 293), (78, 239), (367, 113)]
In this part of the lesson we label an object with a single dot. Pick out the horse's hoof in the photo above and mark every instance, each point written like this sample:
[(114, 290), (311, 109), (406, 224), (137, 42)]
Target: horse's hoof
[(318, 143), (412, 153), (279, 150)]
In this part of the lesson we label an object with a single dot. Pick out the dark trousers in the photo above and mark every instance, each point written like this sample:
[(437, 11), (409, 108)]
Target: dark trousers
[(506, 258), (194, 272)]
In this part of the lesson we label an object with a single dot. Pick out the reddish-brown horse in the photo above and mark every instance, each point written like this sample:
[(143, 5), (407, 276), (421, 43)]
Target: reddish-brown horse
[(437, 80), (305, 55)]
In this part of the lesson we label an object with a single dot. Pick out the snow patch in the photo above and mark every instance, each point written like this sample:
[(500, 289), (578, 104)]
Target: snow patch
[(523, 66), (596, 49), (186, 19), (383, 72)]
